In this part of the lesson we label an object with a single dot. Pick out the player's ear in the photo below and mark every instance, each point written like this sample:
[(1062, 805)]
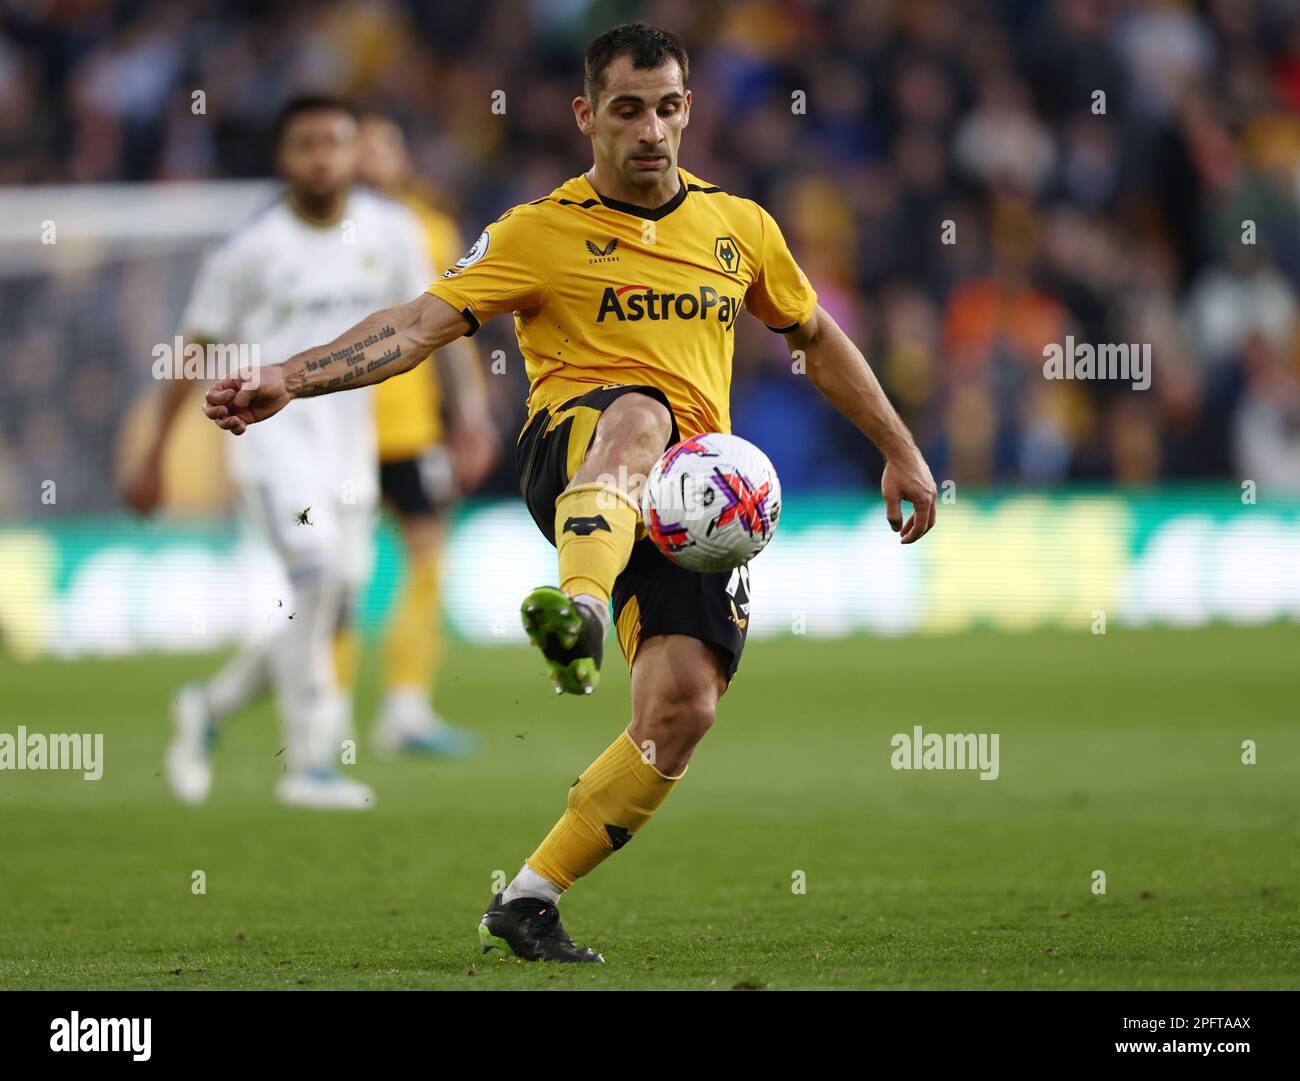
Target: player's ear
[(584, 114), (686, 109)]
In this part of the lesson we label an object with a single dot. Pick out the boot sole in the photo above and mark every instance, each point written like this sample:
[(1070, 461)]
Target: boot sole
[(549, 617)]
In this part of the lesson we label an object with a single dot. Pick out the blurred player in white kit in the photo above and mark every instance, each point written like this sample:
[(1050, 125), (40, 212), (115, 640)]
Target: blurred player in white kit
[(303, 270)]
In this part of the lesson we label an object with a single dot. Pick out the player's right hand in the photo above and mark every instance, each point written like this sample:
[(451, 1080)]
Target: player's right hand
[(907, 477), (235, 403)]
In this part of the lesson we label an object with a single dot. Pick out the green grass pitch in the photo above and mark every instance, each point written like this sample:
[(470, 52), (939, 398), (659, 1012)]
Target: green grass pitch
[(1119, 753)]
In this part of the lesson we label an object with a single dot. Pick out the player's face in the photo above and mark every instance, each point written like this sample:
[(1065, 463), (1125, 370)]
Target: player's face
[(318, 154), (637, 122)]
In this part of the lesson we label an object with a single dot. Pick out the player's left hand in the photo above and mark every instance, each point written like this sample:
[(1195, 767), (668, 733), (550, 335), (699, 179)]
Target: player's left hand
[(907, 477)]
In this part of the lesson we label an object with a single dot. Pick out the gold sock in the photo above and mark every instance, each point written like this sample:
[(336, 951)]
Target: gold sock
[(347, 652), (595, 525), (413, 645), (608, 803)]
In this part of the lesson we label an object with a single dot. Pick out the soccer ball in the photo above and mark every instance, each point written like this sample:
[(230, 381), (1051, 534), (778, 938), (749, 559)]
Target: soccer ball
[(711, 503)]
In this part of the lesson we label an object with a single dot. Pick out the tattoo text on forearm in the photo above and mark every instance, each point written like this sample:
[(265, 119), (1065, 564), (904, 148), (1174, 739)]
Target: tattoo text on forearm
[(354, 354)]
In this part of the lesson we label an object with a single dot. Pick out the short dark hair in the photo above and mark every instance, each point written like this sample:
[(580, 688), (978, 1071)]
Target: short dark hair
[(307, 103), (648, 46)]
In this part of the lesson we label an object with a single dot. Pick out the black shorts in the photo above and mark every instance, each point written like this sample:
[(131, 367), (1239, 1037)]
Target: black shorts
[(418, 487), (653, 595)]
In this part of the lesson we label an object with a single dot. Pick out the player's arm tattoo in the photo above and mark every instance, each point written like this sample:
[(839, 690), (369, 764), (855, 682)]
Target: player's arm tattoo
[(379, 347), (361, 357)]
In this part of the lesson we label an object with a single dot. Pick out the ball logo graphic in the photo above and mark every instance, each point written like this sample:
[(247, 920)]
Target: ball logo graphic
[(711, 503)]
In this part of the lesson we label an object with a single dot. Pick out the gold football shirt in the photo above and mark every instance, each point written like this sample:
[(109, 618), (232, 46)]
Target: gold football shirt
[(607, 292)]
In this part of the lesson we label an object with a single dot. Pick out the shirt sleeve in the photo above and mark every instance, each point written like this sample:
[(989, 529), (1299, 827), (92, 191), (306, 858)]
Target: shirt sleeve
[(212, 313), (504, 270), (444, 245), (780, 294)]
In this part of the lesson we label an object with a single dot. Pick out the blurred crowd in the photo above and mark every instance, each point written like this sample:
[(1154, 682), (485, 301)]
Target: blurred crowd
[(964, 182)]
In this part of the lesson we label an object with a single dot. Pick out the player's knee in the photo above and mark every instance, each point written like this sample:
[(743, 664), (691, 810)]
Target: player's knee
[(695, 717), (684, 716), (638, 423)]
